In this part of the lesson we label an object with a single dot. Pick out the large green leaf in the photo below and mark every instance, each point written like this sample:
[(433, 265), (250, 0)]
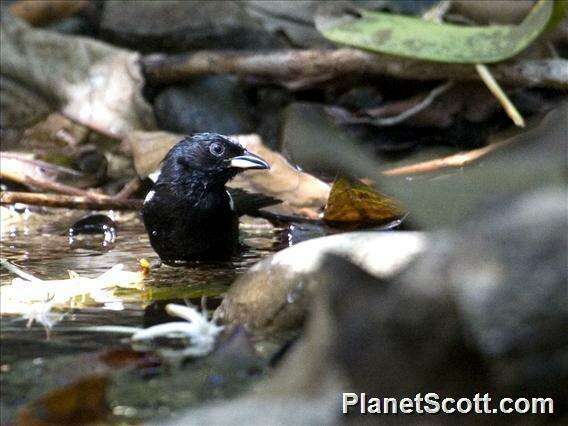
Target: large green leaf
[(441, 42)]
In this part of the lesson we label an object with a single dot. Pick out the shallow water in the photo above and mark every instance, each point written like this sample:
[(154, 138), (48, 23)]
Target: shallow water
[(39, 244)]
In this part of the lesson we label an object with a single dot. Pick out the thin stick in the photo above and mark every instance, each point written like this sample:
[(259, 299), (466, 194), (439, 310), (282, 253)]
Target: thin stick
[(453, 161), (69, 201), (405, 115), (60, 188), (501, 96), (130, 188)]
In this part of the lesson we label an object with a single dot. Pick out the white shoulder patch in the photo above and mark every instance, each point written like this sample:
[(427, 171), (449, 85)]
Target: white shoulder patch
[(149, 196), (231, 202), (155, 175)]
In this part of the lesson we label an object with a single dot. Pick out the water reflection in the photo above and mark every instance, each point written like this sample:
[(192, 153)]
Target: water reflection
[(44, 251)]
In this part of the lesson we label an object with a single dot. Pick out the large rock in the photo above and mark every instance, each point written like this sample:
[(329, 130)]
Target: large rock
[(275, 293), (293, 19), (510, 281), (208, 104), (181, 25), (483, 308)]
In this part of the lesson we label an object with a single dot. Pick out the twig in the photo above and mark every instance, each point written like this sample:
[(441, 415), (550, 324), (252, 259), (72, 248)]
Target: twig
[(130, 188), (60, 188), (289, 66), (39, 174), (456, 160), (57, 187), (68, 201), (437, 12), (418, 107), (42, 176), (501, 96), (285, 218)]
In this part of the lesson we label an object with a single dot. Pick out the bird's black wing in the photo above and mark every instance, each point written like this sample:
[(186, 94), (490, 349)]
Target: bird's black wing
[(250, 203)]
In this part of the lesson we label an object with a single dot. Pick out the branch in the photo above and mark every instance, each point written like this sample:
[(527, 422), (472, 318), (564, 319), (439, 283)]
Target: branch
[(453, 161), (501, 96), (297, 68), (43, 176), (130, 188), (68, 201)]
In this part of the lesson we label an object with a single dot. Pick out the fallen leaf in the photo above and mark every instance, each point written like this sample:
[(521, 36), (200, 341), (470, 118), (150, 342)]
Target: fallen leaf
[(79, 403), (43, 12), (89, 81), (56, 132), (77, 395), (443, 42), (355, 205)]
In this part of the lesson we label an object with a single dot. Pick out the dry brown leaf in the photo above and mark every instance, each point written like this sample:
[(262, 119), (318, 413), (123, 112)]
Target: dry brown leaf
[(298, 190), (354, 204), (89, 81), (81, 402), (79, 396), (56, 132), (43, 12)]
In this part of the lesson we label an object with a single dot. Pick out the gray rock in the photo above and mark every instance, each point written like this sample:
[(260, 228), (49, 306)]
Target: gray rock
[(275, 292), (294, 19), (486, 305), (511, 285), (270, 101), (208, 104), (181, 25)]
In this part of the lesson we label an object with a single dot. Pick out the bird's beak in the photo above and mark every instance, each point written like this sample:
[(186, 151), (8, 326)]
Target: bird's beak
[(249, 161)]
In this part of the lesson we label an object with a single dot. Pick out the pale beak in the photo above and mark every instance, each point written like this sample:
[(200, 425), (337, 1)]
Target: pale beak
[(249, 161)]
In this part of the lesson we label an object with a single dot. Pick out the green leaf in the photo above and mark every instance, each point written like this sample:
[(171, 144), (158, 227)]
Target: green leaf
[(442, 42)]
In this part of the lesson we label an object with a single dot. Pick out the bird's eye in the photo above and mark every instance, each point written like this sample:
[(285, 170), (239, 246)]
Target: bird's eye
[(217, 149)]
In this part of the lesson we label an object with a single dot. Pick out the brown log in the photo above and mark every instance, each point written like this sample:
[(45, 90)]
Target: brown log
[(69, 201), (298, 68)]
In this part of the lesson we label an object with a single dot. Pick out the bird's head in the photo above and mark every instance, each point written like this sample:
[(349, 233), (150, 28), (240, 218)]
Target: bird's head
[(211, 156)]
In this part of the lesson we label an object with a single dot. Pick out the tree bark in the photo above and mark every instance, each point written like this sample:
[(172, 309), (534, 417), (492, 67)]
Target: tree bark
[(300, 68), (69, 201)]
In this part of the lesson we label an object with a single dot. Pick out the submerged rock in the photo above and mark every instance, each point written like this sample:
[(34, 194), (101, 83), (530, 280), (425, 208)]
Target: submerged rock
[(94, 224), (275, 293)]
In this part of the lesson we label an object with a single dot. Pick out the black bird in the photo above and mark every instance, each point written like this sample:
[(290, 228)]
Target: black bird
[(189, 215)]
